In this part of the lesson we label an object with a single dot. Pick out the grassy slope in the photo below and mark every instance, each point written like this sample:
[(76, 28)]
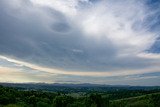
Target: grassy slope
[(139, 101)]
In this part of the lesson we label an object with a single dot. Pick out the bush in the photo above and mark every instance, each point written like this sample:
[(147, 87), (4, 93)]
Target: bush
[(140, 104), (13, 105), (42, 104)]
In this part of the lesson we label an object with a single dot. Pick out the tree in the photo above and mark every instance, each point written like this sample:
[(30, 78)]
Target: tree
[(62, 101), (155, 99), (32, 100), (94, 100), (42, 104)]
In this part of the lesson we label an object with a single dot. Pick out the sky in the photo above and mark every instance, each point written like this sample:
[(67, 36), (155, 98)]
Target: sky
[(113, 42)]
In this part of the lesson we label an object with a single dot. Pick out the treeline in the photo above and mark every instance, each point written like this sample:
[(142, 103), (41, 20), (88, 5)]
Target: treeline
[(11, 97), (75, 88)]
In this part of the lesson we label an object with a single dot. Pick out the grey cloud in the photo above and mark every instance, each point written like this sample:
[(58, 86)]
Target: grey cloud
[(29, 41), (47, 37)]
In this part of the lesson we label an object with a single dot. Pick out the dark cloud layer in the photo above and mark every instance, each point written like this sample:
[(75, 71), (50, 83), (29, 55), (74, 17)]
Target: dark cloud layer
[(48, 37)]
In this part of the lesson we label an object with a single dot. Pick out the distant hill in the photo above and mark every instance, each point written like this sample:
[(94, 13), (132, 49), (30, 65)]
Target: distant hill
[(85, 87)]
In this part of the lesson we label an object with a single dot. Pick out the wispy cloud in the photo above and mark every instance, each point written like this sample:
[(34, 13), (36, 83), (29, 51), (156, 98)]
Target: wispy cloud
[(119, 72), (100, 38)]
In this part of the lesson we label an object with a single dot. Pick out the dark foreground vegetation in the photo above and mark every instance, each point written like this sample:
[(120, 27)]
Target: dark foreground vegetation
[(117, 97)]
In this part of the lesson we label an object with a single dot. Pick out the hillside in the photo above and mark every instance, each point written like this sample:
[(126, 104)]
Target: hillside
[(16, 97)]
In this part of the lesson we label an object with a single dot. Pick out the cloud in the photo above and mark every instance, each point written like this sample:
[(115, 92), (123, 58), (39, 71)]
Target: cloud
[(20, 76), (81, 37), (19, 71), (32, 67)]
